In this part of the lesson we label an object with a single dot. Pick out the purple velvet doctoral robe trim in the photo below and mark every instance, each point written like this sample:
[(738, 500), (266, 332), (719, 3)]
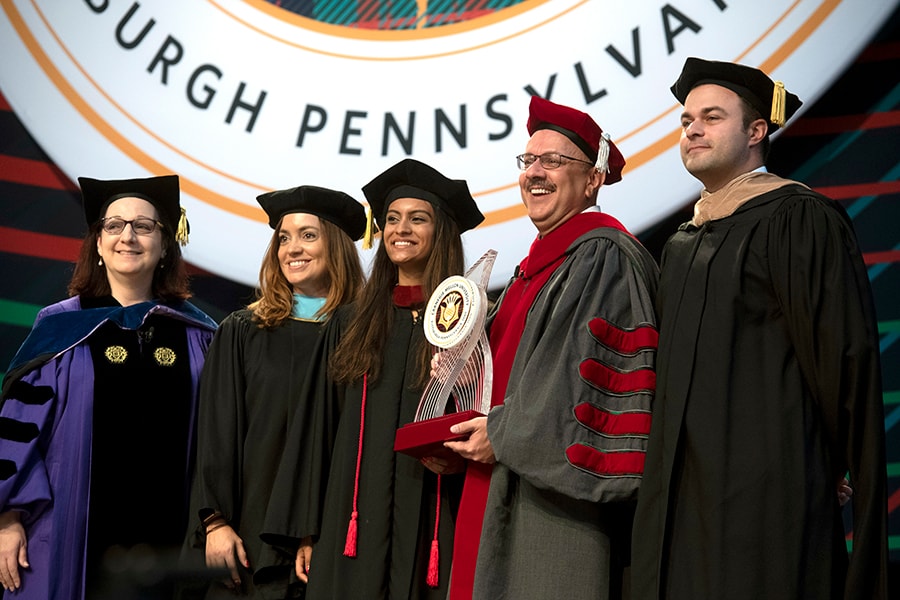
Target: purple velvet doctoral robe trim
[(45, 470)]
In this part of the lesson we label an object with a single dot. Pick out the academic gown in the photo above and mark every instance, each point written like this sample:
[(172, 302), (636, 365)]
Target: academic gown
[(298, 491), (768, 393), (569, 432), (397, 495), (252, 386), (48, 438)]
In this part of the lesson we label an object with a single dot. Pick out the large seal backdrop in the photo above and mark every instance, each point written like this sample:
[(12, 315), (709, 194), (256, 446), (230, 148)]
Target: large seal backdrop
[(242, 97)]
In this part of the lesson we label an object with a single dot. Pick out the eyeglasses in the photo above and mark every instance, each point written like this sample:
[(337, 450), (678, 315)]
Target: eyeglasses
[(140, 226), (550, 160)]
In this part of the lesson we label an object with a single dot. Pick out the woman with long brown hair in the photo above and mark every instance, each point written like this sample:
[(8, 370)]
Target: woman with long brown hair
[(253, 382), (100, 401), (384, 512)]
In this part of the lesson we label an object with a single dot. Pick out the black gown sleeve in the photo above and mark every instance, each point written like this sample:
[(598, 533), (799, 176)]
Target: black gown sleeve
[(220, 420), (298, 495), (824, 290)]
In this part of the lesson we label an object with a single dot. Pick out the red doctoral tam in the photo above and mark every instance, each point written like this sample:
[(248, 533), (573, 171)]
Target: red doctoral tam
[(582, 130)]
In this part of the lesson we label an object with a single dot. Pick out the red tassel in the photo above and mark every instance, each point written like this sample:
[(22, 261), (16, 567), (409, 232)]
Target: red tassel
[(433, 565), (350, 545), (434, 562)]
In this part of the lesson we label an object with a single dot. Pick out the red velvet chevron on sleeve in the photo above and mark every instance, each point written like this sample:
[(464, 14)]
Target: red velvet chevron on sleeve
[(624, 341)]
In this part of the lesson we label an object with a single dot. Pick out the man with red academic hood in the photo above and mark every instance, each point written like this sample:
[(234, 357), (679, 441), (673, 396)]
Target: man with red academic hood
[(555, 466)]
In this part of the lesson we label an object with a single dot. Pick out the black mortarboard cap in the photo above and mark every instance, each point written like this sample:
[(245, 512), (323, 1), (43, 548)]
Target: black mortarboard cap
[(410, 178), (773, 102), (333, 206), (162, 192)]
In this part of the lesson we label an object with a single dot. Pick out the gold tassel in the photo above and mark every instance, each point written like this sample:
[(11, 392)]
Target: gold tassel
[(369, 235), (778, 97), (184, 228)]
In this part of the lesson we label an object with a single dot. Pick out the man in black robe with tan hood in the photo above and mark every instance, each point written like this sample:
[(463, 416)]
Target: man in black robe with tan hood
[(768, 376)]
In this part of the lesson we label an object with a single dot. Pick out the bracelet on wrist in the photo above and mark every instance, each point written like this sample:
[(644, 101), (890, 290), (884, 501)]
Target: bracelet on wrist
[(213, 516), (215, 526)]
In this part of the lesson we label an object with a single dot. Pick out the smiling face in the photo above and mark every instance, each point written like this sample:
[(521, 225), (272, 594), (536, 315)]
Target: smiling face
[(301, 254), (716, 145), (409, 237), (554, 196), (131, 259)]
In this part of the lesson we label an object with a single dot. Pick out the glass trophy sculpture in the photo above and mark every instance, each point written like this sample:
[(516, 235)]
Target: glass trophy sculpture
[(462, 375)]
